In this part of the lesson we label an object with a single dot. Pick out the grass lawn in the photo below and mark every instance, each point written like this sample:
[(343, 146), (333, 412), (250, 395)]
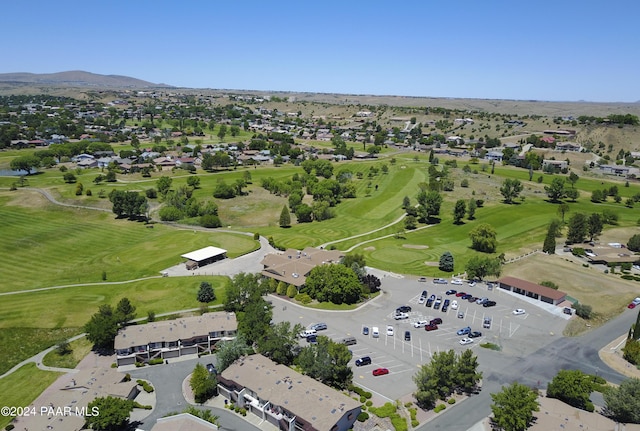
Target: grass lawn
[(23, 387), (79, 349)]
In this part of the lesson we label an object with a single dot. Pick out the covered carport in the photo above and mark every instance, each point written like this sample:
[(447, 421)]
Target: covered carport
[(204, 256)]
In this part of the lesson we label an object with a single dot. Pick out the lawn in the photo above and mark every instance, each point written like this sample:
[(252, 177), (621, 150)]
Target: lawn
[(14, 390), (78, 350)]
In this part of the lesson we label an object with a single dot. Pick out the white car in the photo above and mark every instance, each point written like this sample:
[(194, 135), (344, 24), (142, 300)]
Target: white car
[(420, 323), (401, 316), (466, 341), (518, 311), (390, 330), (456, 281), (472, 283), (454, 305), (421, 300)]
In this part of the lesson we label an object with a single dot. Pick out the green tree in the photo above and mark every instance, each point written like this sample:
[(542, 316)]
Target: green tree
[(510, 189), (292, 291), (125, 311), (555, 191), (577, 228), (230, 350), (112, 413), (573, 179), (163, 185), (242, 289), (194, 182), (572, 387), (282, 288), (206, 293), (446, 262), (223, 190), (549, 245), (24, 163), (69, 178), (304, 213), (623, 402), (513, 407), (285, 217), (594, 225), (459, 211), (222, 131), (102, 328), (572, 194), (327, 362), (471, 209), (334, 283), (467, 374), (429, 203), (633, 243), (255, 319), (563, 209), (203, 384), (483, 238), (479, 267), (280, 342)]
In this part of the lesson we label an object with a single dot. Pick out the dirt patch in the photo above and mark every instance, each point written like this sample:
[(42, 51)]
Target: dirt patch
[(432, 263), (26, 199), (369, 248), (415, 246)]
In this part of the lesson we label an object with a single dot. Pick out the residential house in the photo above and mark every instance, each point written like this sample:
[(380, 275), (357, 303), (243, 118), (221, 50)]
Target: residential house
[(568, 146), (495, 156), (183, 422), (557, 164), (285, 398)]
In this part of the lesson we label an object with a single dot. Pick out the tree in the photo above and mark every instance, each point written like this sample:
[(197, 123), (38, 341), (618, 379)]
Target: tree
[(471, 209), (69, 178), (481, 266), (280, 342), (222, 132), (572, 194), (125, 312), (577, 228), (223, 190), (334, 283), (242, 289), (555, 191), (24, 163), (194, 182), (228, 351), (203, 384), (623, 402), (563, 209), (255, 318), (573, 179), (128, 204), (483, 238), (429, 203), (446, 262), (634, 243), (163, 184), (102, 328), (572, 387), (109, 413), (510, 189), (549, 245), (459, 211), (206, 293), (304, 213), (594, 225), (292, 291), (327, 361), (513, 407), (467, 375), (285, 217)]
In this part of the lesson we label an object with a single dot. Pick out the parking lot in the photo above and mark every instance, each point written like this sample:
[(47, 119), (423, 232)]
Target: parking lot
[(517, 335)]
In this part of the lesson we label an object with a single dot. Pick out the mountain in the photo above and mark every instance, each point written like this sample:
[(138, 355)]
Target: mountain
[(77, 78)]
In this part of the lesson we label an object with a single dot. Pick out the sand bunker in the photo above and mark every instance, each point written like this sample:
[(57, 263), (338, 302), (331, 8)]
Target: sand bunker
[(415, 246)]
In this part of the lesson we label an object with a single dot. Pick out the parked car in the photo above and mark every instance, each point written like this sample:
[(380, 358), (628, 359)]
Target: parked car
[(307, 333), (472, 283), (407, 335), (456, 281), (313, 339), (365, 360), (487, 322), (436, 321), (482, 300), (634, 303), (212, 369), (469, 297), (567, 310), (445, 305), (380, 371), (454, 305), (439, 281), (430, 327), (464, 331), (429, 302), (475, 334), (489, 304), (436, 305), (365, 330), (460, 315), (390, 330), (451, 292), (421, 300), (422, 279), (375, 332), (318, 326), (518, 311), (466, 341), (420, 323), (403, 309), (461, 294), (401, 316)]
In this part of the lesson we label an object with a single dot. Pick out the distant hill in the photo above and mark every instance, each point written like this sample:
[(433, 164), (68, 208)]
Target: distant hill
[(78, 78)]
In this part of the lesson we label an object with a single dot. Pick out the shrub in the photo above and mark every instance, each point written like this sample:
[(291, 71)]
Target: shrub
[(399, 423), (140, 364), (146, 386), (369, 403), (363, 399), (292, 291), (127, 378), (10, 426), (451, 401), (490, 346), (363, 416), (256, 236), (303, 298), (589, 406), (368, 395), (582, 310), (156, 361), (439, 408)]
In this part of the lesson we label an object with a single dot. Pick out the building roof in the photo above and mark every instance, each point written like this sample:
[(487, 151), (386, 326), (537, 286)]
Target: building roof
[(533, 287), (172, 330), (204, 253), (319, 404), (292, 266), (183, 422)]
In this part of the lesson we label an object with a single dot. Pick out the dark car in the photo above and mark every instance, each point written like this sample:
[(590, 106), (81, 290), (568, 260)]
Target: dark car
[(436, 321), (470, 298), (312, 339), (445, 307), (403, 309), (475, 334), (430, 327), (365, 360), (424, 294), (451, 292), (436, 305), (365, 330), (319, 326), (429, 302), (489, 304), (407, 335), (212, 369)]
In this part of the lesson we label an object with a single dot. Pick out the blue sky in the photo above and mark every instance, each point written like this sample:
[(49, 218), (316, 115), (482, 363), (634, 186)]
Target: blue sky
[(543, 50)]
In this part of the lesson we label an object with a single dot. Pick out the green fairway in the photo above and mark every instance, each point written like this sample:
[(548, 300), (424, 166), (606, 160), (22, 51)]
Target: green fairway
[(22, 387)]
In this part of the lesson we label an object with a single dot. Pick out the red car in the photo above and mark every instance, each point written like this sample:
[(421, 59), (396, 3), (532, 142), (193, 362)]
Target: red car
[(460, 294), (380, 371), (632, 305), (430, 327)]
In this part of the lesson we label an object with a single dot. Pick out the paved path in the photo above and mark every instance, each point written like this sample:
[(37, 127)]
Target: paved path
[(363, 234)]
